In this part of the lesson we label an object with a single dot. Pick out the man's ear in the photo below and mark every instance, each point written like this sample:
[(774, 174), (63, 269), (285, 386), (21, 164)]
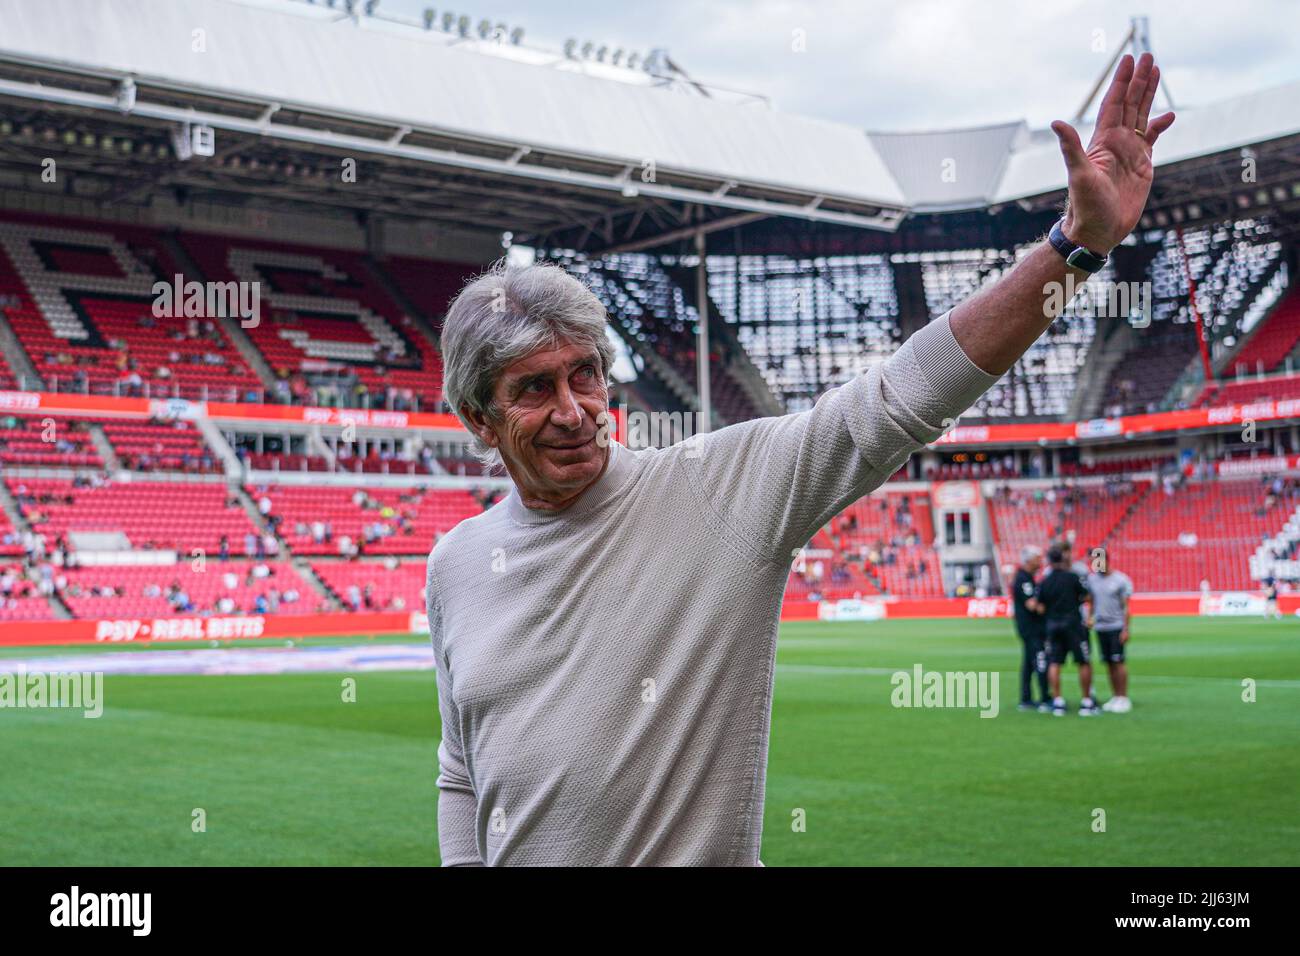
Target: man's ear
[(481, 426)]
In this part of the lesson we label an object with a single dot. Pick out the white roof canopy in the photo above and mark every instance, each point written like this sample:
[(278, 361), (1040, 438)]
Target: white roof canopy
[(311, 59)]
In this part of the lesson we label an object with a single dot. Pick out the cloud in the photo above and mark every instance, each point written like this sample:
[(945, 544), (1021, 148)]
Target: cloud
[(925, 64)]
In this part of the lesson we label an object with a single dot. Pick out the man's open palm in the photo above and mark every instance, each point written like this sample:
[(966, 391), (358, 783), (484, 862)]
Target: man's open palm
[(1110, 181)]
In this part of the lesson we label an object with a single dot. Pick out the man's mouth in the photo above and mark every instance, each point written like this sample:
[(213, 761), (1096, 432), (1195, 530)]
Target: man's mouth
[(571, 447)]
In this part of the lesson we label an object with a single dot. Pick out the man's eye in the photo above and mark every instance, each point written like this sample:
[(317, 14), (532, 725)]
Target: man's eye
[(535, 387)]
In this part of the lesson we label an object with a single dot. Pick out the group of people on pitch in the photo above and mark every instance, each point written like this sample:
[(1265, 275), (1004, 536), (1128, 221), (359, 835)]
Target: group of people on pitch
[(1054, 614)]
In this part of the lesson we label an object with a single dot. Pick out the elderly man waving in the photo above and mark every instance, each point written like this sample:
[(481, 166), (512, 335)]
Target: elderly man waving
[(605, 635)]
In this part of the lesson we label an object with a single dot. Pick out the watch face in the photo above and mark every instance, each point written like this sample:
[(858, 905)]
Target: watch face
[(1081, 258)]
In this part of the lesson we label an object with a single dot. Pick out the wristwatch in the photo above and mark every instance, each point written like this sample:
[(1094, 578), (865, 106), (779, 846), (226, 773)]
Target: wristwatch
[(1077, 257)]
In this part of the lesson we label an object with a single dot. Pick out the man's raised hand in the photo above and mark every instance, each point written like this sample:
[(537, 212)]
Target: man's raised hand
[(1110, 181)]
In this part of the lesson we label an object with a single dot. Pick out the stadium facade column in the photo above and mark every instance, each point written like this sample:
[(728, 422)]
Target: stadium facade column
[(705, 422)]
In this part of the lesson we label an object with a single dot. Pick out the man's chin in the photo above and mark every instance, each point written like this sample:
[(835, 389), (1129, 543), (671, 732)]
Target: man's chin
[(573, 467)]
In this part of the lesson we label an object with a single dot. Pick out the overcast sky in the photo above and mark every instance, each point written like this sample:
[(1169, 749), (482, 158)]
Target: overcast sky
[(924, 64)]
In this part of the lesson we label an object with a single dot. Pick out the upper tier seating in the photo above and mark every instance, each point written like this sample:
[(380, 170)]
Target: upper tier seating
[(1145, 374), (1274, 341), (324, 314), (648, 305), (86, 314), (1232, 264), (809, 325), (429, 285)]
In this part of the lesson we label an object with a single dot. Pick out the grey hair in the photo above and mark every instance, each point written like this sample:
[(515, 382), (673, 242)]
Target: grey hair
[(503, 315), (1029, 552)]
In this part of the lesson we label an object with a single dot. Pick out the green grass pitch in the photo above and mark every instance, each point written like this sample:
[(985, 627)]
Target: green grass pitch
[(287, 773)]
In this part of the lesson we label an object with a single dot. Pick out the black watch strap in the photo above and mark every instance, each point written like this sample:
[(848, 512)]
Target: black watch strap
[(1077, 257)]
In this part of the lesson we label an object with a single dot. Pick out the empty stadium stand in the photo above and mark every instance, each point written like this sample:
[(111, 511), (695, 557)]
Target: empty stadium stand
[(807, 325), (1276, 339), (1231, 264), (652, 313)]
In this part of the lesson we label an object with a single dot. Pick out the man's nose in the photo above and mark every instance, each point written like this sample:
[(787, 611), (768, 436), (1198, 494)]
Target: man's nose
[(567, 412)]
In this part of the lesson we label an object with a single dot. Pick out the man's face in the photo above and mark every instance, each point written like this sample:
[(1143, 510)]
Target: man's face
[(1033, 564), (548, 404)]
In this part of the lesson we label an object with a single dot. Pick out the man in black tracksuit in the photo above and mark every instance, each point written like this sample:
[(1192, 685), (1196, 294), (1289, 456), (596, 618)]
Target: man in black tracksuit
[(1031, 628), (1061, 594)]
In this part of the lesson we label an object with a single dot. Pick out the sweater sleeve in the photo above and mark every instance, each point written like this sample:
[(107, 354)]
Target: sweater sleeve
[(772, 482), (457, 804)]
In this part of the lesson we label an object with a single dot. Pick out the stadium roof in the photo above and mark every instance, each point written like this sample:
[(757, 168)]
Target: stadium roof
[(461, 131), (736, 155)]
